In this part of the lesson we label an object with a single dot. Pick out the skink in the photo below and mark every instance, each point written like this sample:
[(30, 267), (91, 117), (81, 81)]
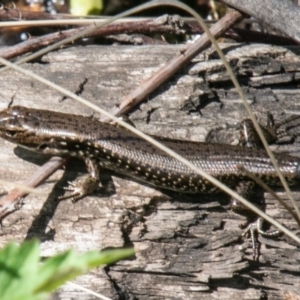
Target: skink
[(113, 147), (116, 148)]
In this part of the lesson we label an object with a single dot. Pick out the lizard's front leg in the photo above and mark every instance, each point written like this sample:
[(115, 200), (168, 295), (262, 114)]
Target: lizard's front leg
[(85, 186)]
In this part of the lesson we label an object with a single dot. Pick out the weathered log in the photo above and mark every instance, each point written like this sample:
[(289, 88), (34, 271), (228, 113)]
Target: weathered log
[(187, 246)]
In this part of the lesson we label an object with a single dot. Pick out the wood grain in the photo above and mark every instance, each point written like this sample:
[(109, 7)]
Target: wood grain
[(280, 15), (188, 247)]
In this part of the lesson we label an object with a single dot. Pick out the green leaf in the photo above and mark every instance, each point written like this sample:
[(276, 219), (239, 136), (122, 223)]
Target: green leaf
[(84, 7), (18, 269), (66, 266), (24, 277)]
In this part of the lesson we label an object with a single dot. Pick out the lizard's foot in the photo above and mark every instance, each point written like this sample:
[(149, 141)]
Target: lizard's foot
[(80, 189), (255, 228)]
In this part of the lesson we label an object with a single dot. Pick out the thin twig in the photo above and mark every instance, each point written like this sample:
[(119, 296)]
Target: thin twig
[(157, 25), (9, 203), (175, 64)]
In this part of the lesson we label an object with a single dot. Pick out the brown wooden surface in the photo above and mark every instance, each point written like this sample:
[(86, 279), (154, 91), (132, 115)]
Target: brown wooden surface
[(282, 15), (188, 247)]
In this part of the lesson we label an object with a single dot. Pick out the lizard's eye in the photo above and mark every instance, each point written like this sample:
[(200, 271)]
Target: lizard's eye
[(11, 133), (42, 146)]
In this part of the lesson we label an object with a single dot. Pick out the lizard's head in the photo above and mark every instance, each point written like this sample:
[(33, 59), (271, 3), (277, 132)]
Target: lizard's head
[(26, 127), (45, 131), (17, 126)]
